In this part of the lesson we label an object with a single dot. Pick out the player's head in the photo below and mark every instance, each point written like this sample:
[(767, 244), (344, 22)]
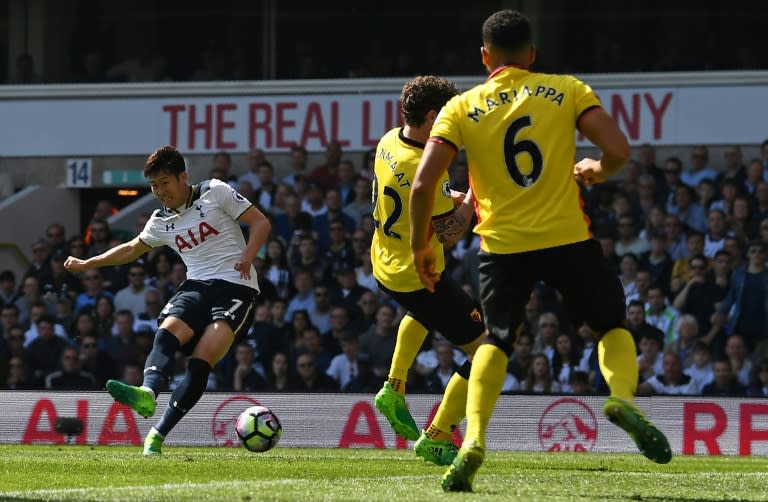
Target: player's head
[(422, 95), (507, 40), (167, 176), (165, 159)]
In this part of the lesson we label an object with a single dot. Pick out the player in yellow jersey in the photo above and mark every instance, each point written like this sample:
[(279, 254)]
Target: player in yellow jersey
[(519, 132), (450, 310)]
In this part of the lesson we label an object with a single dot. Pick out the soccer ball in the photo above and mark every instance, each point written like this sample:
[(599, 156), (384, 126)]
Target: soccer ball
[(258, 428)]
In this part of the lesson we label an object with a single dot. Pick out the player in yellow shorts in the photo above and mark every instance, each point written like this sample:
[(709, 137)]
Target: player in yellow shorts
[(519, 132)]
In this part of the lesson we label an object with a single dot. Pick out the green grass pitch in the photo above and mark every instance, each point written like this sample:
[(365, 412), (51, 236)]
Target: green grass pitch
[(294, 474)]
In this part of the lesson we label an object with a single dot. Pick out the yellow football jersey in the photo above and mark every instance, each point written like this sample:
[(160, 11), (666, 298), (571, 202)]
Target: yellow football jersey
[(397, 158), (518, 130)]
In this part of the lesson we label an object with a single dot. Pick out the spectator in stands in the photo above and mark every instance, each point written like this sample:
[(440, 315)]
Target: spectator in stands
[(36, 311), (44, 352), (30, 295), (736, 252), (364, 270), (94, 288), (326, 175), (521, 358), (339, 253), (714, 239), (685, 339), (725, 383), (539, 379), (436, 381), (426, 360), (247, 376), (565, 361), (673, 169), (313, 202), (744, 310), (131, 374), (672, 382), (648, 197), (368, 304), (347, 292), (681, 273), (703, 291), (265, 194), (343, 368), (579, 383), (222, 161), (548, 327), (676, 239), (312, 343), (378, 342), (742, 222), (759, 381), (298, 161), (754, 176), (761, 207), (160, 273), (104, 318), (279, 377), (736, 351), (706, 191), (699, 168), (661, 315), (153, 305), (691, 214), (347, 176), (637, 325), (310, 379), (254, 159), (95, 361), (61, 282), (728, 192), (18, 378), (56, 237), (98, 233), (650, 357), (40, 267), (361, 200), (654, 222), (701, 366), (304, 298), (8, 291), (309, 259), (628, 267), (76, 247), (132, 297), (658, 262), (320, 314), (629, 239), (321, 223), (734, 167), (643, 281), (122, 346), (277, 269)]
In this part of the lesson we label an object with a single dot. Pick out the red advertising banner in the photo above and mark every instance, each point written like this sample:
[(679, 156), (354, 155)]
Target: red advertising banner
[(524, 423)]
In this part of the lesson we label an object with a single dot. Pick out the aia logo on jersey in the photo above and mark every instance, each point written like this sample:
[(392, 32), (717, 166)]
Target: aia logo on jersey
[(190, 240), (475, 315), (568, 425)]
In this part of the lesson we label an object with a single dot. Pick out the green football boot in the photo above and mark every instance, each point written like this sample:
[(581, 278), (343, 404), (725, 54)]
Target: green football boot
[(461, 473), (437, 452), (392, 406), (140, 400), (650, 440), (153, 443)]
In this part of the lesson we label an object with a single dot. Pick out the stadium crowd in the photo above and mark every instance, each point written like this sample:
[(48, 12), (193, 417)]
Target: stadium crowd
[(688, 242)]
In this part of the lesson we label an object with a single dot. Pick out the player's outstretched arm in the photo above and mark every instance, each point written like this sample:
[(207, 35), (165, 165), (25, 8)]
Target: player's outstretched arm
[(450, 229), (259, 228), (602, 130), (118, 255), (435, 161)]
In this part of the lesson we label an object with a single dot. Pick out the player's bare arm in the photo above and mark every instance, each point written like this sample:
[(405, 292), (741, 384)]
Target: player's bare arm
[(435, 161), (451, 228), (118, 255), (259, 228), (602, 130)]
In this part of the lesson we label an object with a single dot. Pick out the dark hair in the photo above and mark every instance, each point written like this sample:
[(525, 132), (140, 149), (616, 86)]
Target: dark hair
[(165, 159), (7, 275), (508, 30), (636, 303), (422, 94)]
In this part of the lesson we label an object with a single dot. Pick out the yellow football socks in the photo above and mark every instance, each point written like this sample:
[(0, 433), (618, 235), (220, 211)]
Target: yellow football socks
[(451, 410), (617, 356), (489, 369), (410, 338)]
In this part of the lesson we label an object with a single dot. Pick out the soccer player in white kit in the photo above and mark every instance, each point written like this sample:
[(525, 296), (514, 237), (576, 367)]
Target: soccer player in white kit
[(214, 307)]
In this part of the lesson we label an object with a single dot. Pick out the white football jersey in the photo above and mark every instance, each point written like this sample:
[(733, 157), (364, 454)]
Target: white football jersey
[(206, 234)]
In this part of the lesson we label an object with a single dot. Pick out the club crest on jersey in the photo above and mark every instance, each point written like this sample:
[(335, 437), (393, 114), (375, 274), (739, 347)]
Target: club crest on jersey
[(446, 189), (204, 231), (475, 315)]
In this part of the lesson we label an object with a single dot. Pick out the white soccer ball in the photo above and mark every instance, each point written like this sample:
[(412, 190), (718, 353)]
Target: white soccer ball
[(258, 428)]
